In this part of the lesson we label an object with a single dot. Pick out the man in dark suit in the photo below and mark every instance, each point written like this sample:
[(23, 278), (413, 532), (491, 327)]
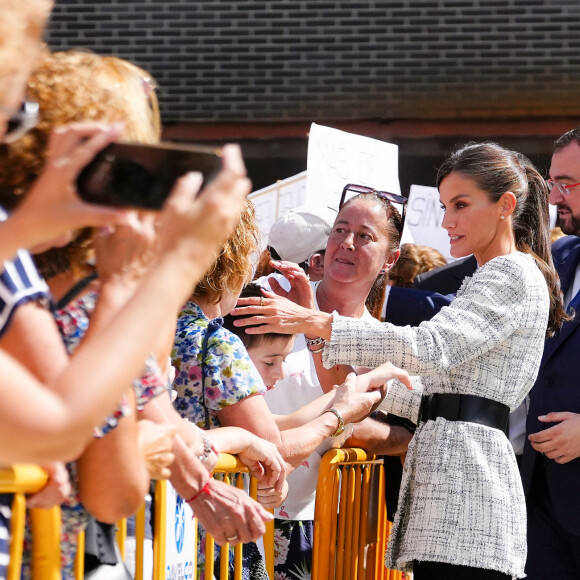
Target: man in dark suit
[(446, 279), (551, 465)]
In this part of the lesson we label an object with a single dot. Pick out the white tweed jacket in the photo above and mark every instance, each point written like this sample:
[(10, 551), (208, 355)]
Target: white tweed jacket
[(461, 498)]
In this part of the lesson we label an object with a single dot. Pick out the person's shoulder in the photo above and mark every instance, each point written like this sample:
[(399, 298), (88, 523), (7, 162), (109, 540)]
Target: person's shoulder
[(515, 273), (446, 279), (563, 246)]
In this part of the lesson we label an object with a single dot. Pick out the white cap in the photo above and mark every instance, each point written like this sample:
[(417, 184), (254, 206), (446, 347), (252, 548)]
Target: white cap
[(301, 232)]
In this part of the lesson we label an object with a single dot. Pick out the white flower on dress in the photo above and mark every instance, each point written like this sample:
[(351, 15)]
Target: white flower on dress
[(281, 546)]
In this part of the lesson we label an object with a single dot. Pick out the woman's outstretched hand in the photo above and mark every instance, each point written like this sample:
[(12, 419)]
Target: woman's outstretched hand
[(360, 395), (300, 289), (381, 375), (278, 314)]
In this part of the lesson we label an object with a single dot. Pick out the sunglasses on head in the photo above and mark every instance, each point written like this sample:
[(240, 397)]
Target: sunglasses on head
[(391, 197), (20, 122)]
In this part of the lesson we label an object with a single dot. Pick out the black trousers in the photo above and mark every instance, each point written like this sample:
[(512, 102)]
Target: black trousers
[(553, 552), (442, 571)]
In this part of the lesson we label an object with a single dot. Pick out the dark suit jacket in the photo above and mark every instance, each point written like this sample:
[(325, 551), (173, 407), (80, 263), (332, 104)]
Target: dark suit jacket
[(446, 279), (558, 389), (410, 307)]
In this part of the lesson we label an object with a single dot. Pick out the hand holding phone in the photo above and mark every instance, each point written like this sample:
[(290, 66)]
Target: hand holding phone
[(142, 176)]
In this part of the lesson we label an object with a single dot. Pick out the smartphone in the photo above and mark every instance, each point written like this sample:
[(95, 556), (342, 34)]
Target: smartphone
[(142, 176)]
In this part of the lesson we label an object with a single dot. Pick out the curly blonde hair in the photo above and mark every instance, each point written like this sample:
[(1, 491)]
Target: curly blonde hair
[(233, 267), (78, 86), (21, 28)]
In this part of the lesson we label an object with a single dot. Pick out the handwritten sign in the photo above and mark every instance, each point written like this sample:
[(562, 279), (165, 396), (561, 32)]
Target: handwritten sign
[(336, 158)]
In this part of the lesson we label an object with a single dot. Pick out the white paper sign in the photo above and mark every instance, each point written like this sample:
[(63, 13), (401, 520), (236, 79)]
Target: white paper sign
[(273, 201), (336, 158), (180, 538), (424, 217)]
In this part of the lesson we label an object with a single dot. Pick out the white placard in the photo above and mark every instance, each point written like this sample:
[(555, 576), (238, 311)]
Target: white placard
[(180, 538), (273, 201), (336, 158), (424, 217)]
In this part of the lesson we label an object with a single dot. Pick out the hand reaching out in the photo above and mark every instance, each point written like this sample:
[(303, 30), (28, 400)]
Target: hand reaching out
[(300, 289), (228, 512), (264, 462), (360, 395), (560, 442)]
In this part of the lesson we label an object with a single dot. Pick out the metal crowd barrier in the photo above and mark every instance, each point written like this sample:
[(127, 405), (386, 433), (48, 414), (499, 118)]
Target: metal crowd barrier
[(233, 472), (350, 529), (350, 519), (20, 480)]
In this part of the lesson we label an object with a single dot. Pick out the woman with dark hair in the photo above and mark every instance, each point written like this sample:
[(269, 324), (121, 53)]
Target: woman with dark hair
[(461, 508)]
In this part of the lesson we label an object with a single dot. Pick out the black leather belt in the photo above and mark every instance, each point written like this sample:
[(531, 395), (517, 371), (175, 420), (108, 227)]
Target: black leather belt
[(454, 407)]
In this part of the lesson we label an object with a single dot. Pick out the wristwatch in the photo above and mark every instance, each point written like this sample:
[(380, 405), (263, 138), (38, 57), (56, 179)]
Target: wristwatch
[(338, 414)]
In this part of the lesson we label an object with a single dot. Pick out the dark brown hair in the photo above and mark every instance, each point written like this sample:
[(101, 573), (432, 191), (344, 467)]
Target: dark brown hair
[(251, 290), (572, 136), (496, 170)]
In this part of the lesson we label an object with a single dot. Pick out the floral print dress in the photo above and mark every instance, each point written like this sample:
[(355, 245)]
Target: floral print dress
[(230, 376), (230, 373)]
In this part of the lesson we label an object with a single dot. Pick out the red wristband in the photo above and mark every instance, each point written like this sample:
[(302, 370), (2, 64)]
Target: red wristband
[(204, 489)]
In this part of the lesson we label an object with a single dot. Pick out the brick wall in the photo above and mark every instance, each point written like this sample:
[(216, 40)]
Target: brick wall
[(285, 60)]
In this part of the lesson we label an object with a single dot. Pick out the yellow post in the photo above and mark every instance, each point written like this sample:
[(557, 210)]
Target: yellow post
[(121, 536), (139, 542), (79, 565), (159, 531), (46, 531), (350, 547), (19, 480)]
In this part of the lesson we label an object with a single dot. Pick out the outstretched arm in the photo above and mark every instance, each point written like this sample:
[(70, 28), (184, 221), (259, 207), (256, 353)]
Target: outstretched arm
[(42, 424)]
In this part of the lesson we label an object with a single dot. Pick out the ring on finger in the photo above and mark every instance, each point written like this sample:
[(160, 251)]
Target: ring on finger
[(261, 301)]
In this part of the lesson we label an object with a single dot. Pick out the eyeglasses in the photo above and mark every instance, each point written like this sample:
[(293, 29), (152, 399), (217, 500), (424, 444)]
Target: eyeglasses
[(562, 188), (391, 197), (20, 122)]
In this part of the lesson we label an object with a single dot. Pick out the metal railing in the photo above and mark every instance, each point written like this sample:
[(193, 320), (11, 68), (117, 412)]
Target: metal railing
[(350, 527)]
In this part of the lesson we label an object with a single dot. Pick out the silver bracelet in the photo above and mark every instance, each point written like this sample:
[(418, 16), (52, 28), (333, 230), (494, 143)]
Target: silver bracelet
[(314, 341), (207, 446)]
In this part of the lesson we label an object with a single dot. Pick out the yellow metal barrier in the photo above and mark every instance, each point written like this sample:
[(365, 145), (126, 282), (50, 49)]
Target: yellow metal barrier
[(350, 529), (350, 520), (20, 480)]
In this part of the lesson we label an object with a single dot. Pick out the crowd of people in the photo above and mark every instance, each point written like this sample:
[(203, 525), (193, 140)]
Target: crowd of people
[(137, 345)]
